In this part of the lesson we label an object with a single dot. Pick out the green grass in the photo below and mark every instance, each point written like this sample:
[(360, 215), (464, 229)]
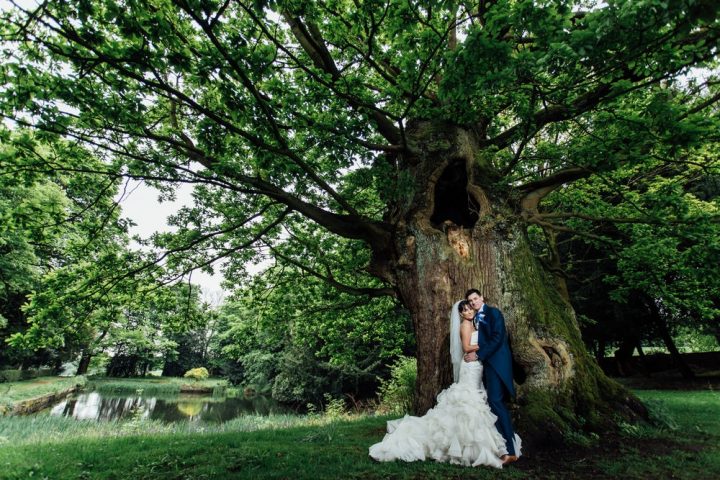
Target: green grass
[(336, 449), (685, 444), (152, 385), (14, 392), (45, 428)]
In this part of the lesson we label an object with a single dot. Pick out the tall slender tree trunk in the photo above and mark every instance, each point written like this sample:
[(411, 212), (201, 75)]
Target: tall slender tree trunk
[(600, 354), (84, 364), (57, 366), (659, 322), (87, 353), (457, 234)]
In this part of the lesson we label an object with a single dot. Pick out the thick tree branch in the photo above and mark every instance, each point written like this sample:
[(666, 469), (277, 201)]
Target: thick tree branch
[(376, 234), (536, 190), (554, 113), (314, 46), (701, 106), (607, 90), (561, 228)]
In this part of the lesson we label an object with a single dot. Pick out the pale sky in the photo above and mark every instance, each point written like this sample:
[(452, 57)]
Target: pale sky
[(140, 204)]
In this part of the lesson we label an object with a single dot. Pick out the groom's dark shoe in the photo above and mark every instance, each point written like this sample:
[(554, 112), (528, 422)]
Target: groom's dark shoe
[(507, 459)]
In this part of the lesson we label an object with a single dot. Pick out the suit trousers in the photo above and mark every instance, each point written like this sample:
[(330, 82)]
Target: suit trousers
[(496, 391)]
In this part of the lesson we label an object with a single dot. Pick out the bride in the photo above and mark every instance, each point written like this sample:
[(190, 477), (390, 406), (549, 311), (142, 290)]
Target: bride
[(460, 429)]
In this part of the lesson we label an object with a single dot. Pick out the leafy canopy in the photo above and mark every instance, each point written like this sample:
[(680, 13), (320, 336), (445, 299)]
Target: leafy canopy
[(283, 111)]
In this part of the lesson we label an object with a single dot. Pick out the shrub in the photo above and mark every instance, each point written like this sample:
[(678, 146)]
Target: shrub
[(15, 375), (334, 407), (10, 375), (197, 373), (259, 370), (301, 378), (398, 392)]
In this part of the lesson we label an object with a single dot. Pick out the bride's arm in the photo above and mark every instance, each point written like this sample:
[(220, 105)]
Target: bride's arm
[(466, 330)]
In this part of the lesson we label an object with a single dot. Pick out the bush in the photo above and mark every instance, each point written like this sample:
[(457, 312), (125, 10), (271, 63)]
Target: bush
[(197, 373), (301, 378), (398, 392), (10, 375), (334, 407), (259, 370), (15, 375)]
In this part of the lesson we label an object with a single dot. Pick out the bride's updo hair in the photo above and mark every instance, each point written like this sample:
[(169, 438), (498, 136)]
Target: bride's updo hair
[(462, 304)]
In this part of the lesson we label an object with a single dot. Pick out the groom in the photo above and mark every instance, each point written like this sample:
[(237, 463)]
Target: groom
[(494, 352)]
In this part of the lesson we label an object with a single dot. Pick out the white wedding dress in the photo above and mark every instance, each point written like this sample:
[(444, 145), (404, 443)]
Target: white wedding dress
[(460, 429)]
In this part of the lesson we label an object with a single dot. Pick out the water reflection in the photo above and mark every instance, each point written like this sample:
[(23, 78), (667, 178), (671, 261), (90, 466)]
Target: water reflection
[(97, 406)]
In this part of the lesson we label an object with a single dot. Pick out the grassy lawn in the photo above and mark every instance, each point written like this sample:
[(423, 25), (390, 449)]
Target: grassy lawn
[(14, 392), (685, 445), (152, 385), (332, 450), (689, 449)]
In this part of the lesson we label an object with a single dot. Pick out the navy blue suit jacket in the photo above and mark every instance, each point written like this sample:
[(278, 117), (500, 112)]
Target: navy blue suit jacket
[(494, 349)]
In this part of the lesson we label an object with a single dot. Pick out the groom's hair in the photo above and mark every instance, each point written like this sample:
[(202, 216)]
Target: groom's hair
[(471, 291)]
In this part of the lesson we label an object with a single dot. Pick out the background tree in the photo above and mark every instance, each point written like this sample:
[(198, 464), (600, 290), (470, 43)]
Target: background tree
[(63, 241), (133, 323), (643, 280), (427, 132), (54, 223), (294, 336), (23, 207), (144, 337), (194, 346)]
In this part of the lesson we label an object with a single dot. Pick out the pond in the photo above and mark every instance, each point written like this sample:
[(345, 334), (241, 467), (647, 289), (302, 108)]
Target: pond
[(182, 407)]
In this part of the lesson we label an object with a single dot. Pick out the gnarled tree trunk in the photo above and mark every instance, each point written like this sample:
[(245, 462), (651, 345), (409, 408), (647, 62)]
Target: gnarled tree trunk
[(457, 233)]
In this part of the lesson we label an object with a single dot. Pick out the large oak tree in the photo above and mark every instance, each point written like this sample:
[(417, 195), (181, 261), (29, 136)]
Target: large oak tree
[(426, 132)]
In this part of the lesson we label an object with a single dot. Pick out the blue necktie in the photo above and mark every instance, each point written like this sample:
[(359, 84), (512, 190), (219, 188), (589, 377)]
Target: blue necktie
[(478, 320)]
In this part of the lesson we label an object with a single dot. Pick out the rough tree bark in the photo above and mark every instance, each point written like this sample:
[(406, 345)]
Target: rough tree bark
[(457, 231)]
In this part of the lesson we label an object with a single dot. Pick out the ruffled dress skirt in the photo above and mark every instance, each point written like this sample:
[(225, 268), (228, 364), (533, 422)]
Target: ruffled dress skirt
[(460, 429)]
